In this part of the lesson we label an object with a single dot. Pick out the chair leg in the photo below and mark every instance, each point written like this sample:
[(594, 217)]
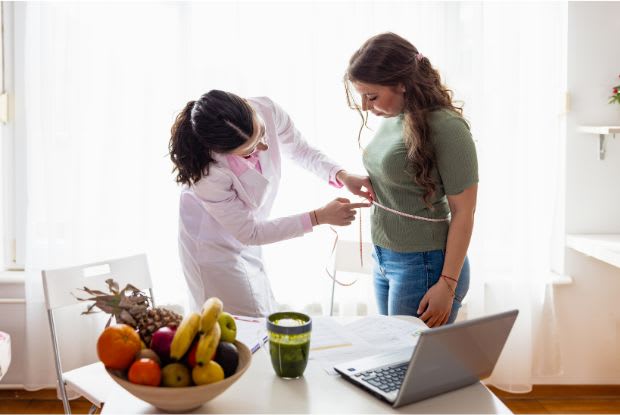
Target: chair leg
[(61, 382), (331, 305), (65, 401)]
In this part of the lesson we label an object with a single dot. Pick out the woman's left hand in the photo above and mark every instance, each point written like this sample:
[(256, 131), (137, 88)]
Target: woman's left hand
[(436, 305), (356, 184)]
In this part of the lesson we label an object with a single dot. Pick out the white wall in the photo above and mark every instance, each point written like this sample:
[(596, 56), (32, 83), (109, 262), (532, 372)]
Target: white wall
[(588, 309), (593, 188)]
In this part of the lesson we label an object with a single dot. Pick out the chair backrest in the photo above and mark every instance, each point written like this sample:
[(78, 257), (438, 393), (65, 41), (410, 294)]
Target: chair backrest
[(59, 284), (60, 287), (347, 257)]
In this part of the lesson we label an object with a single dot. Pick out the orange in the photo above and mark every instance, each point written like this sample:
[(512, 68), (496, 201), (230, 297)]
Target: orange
[(117, 345), (145, 372)]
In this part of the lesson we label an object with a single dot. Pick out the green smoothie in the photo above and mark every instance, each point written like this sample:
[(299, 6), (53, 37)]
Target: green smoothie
[(289, 343), (289, 354)]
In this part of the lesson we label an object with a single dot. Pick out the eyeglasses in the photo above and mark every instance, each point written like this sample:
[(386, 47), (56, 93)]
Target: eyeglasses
[(261, 140)]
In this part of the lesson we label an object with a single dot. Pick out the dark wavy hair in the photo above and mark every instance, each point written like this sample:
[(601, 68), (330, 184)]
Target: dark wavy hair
[(389, 60), (217, 122)]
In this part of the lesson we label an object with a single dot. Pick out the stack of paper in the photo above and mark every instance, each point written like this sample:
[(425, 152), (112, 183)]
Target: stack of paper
[(333, 343)]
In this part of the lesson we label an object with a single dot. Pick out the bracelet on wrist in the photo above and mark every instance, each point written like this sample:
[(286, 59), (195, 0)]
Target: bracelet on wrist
[(450, 278), (450, 288), (315, 217)]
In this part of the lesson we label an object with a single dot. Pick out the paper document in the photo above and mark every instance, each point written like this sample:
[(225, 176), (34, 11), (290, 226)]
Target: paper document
[(328, 334), (388, 332), (333, 343)]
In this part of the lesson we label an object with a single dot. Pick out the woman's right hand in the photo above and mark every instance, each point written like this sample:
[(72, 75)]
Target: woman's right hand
[(339, 212)]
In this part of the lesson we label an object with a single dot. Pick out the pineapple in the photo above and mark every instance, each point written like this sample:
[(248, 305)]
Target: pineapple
[(153, 319), (132, 307)]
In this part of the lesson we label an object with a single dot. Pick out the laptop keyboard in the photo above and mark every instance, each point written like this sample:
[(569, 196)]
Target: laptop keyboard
[(387, 379)]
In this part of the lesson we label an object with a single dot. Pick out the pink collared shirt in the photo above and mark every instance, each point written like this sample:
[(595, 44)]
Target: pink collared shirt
[(240, 164)]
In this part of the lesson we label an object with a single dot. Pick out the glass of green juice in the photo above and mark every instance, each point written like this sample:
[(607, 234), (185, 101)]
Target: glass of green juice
[(289, 343)]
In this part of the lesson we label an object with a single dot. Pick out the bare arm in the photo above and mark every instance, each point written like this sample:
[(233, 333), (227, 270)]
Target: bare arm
[(462, 207), (436, 304)]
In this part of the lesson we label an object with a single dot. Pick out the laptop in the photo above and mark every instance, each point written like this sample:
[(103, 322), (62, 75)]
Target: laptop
[(445, 358)]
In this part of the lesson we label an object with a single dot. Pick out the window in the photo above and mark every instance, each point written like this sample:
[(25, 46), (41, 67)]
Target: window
[(12, 196)]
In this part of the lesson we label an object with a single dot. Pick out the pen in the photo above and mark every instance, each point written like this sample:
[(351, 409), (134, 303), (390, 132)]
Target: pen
[(251, 320)]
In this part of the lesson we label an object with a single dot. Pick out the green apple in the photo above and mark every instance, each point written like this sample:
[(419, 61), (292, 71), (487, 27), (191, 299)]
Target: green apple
[(228, 326), (209, 373), (175, 375)]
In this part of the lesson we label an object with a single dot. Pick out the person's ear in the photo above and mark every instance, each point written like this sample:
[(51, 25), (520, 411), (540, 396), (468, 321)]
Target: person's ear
[(401, 88)]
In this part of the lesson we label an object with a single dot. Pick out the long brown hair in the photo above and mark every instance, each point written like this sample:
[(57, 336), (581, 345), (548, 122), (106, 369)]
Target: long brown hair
[(218, 122), (389, 60)]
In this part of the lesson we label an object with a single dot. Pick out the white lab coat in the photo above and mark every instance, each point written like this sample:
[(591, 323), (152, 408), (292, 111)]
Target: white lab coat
[(224, 219)]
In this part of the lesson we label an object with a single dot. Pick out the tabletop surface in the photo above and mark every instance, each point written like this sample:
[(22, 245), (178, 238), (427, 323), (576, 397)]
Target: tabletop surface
[(260, 391)]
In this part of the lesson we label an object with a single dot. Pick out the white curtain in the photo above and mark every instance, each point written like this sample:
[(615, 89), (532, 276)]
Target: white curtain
[(517, 113), (103, 82)]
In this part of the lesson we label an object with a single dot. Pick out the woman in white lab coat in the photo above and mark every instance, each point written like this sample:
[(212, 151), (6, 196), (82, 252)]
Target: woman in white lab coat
[(227, 153)]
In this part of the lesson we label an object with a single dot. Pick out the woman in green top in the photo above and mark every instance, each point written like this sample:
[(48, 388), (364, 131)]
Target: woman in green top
[(423, 168)]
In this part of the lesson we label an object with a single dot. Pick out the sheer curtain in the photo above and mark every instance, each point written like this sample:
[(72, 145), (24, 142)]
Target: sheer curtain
[(517, 114), (103, 83)]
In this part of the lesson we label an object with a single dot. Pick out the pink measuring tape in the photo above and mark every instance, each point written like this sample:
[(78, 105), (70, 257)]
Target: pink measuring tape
[(406, 215)]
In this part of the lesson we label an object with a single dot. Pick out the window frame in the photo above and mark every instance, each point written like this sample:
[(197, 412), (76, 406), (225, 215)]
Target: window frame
[(12, 199)]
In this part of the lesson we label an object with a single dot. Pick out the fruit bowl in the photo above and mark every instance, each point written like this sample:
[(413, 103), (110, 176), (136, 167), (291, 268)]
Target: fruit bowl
[(185, 398)]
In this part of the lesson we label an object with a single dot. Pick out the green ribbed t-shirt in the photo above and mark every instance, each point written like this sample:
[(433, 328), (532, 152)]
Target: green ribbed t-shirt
[(385, 159)]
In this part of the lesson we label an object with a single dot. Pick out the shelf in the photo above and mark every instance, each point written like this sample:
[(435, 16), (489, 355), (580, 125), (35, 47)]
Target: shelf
[(602, 131), (604, 247)]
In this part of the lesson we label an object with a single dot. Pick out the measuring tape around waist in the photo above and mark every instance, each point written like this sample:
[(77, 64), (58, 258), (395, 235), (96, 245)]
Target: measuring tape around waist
[(422, 218)]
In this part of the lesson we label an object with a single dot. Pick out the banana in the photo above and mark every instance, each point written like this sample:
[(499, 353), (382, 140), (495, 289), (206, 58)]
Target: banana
[(211, 310), (207, 344), (184, 336)]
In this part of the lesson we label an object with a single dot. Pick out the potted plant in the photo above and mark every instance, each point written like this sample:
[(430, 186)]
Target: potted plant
[(615, 94)]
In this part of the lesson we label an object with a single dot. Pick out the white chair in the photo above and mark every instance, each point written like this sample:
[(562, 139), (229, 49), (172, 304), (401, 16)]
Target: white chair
[(90, 381), (347, 259)]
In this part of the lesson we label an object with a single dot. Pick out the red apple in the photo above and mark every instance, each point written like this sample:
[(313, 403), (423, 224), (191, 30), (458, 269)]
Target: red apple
[(190, 358), (191, 355), (161, 340)]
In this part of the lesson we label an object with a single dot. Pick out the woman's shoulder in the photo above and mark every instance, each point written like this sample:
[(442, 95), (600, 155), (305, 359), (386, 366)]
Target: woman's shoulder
[(271, 112), (447, 119), (261, 101), (446, 124), (268, 109), (264, 105)]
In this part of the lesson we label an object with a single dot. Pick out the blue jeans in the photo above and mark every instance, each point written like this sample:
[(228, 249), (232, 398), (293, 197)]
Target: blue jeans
[(402, 278)]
